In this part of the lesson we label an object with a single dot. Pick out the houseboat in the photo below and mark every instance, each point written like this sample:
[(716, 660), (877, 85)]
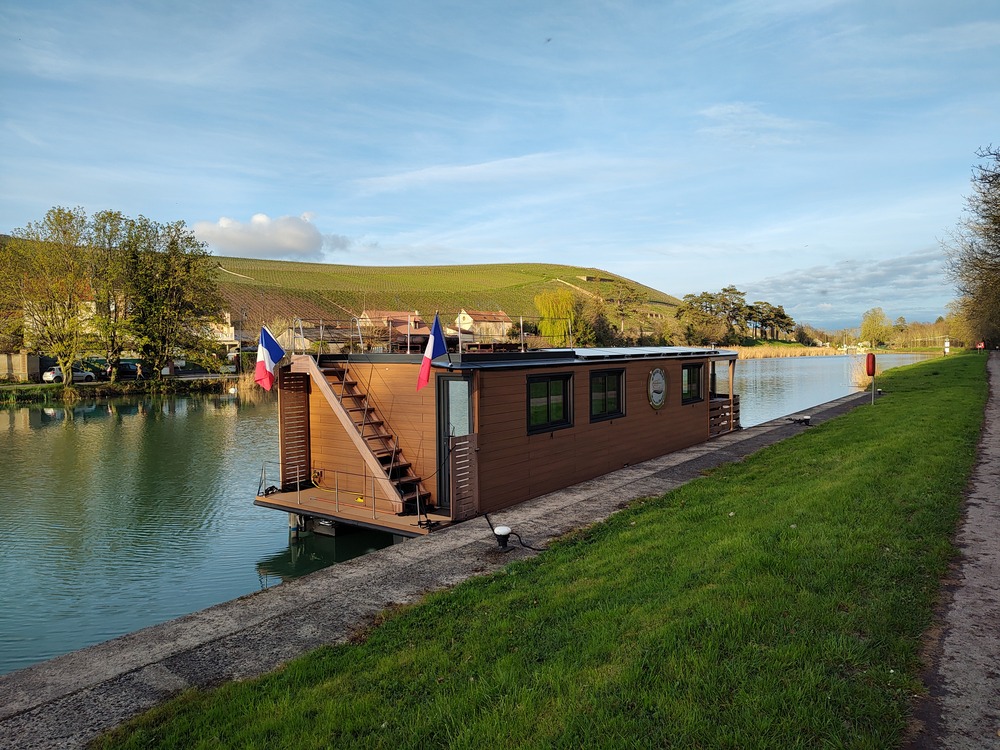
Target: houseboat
[(360, 444)]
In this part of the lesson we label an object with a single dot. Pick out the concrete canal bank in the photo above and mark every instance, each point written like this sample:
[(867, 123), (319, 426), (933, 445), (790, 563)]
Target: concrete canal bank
[(67, 701)]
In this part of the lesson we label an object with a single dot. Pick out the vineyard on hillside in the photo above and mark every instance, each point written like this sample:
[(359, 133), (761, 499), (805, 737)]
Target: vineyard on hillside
[(265, 290)]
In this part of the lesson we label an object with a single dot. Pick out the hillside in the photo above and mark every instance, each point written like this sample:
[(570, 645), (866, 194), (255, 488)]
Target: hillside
[(269, 289)]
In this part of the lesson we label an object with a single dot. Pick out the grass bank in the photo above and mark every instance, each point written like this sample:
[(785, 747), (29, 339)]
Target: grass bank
[(776, 603)]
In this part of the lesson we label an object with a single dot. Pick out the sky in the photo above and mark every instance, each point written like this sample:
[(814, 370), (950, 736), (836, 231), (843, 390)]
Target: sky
[(816, 154)]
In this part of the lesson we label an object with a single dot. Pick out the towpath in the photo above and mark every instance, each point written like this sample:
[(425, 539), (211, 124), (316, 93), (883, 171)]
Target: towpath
[(962, 711), (67, 701)]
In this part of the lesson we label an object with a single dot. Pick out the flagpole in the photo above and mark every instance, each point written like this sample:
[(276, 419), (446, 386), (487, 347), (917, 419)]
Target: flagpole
[(447, 351)]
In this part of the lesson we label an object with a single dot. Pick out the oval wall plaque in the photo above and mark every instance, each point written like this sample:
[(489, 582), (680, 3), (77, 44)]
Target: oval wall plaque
[(656, 388)]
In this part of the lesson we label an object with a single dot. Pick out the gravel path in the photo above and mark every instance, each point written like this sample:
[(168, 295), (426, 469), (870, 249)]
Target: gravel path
[(963, 710)]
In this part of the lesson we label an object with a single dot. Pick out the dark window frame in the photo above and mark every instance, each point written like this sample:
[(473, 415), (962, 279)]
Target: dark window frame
[(551, 423), (686, 396), (604, 375)]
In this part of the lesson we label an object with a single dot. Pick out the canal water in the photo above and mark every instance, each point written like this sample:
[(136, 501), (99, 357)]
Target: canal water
[(771, 388), (118, 515)]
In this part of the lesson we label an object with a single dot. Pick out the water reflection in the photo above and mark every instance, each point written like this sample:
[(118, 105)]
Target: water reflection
[(314, 552), (118, 515)]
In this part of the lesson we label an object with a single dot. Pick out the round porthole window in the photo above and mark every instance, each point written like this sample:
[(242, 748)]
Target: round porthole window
[(656, 388)]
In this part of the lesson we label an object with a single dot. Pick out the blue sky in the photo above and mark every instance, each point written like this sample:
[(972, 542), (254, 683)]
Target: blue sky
[(815, 153)]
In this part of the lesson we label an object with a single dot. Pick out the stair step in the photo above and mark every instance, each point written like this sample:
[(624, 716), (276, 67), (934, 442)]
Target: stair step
[(332, 380), (397, 465), (414, 495), (370, 423)]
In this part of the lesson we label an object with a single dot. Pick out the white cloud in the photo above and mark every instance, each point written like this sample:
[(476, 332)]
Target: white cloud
[(287, 237), (914, 285)]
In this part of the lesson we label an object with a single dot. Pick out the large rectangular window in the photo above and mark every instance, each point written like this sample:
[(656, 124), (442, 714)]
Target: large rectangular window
[(606, 395), (692, 383), (550, 403)]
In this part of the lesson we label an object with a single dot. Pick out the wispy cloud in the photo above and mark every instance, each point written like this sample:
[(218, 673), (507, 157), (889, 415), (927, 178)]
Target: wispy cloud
[(914, 286), (744, 123)]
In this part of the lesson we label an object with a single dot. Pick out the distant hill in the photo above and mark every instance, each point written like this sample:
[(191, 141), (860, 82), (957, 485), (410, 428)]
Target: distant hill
[(269, 289)]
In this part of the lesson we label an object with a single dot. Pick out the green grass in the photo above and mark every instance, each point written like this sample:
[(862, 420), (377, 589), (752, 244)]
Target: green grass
[(776, 603), (312, 290)]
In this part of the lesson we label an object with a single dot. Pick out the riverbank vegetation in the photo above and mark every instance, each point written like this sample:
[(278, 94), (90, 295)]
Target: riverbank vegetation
[(777, 602), (974, 254), (107, 284), (59, 393)]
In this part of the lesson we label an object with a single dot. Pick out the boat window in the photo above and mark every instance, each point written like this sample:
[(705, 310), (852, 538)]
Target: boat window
[(692, 388), (550, 405), (606, 395)]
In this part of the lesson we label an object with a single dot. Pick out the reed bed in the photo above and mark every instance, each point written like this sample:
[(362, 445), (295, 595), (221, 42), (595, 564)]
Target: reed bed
[(768, 351)]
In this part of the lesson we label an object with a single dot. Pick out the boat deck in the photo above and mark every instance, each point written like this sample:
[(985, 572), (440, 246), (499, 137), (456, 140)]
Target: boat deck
[(316, 503)]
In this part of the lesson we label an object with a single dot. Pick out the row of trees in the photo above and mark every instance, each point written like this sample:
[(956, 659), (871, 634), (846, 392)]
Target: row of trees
[(878, 330), (107, 284), (722, 317), (725, 317), (974, 254)]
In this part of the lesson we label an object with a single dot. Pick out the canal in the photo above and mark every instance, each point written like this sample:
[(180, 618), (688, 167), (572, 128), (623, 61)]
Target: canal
[(123, 514)]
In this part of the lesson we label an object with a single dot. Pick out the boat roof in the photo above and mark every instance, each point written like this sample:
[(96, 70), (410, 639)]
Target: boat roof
[(577, 355)]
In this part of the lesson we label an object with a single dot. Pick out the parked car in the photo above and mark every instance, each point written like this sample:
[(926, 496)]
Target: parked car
[(55, 375), (127, 371)]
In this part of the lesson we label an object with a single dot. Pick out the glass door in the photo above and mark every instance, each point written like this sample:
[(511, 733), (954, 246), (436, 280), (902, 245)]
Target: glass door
[(454, 420)]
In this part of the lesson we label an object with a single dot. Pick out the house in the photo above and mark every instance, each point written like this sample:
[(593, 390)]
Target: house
[(359, 444), (484, 325)]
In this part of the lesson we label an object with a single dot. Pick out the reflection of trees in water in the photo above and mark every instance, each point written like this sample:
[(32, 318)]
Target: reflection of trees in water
[(314, 552), (132, 478)]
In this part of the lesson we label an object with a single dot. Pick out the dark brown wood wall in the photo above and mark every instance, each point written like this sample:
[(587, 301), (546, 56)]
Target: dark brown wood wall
[(515, 466), (408, 414)]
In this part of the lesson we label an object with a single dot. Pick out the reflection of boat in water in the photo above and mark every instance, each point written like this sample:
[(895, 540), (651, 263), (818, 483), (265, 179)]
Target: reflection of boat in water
[(312, 552)]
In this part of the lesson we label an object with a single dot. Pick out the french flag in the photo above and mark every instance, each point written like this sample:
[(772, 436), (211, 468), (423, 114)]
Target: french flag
[(269, 352), (435, 348)]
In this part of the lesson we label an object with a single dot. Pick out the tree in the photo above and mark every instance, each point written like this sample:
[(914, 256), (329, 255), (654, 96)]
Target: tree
[(875, 327), (113, 238), (626, 301), (557, 309), (173, 295), (974, 251), (701, 319), (45, 274), (732, 304)]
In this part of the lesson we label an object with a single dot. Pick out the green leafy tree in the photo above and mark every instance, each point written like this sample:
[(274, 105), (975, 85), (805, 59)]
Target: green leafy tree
[(173, 296), (558, 309), (782, 321), (732, 305), (701, 319), (875, 326), (114, 238), (45, 275), (626, 302)]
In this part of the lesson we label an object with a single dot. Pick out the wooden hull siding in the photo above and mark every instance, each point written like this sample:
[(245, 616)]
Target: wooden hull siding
[(515, 466), (500, 464)]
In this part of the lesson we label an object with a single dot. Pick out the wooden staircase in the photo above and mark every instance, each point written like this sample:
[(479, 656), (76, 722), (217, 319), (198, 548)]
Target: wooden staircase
[(377, 438)]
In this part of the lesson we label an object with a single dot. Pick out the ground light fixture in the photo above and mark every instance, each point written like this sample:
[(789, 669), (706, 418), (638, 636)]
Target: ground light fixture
[(502, 534)]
